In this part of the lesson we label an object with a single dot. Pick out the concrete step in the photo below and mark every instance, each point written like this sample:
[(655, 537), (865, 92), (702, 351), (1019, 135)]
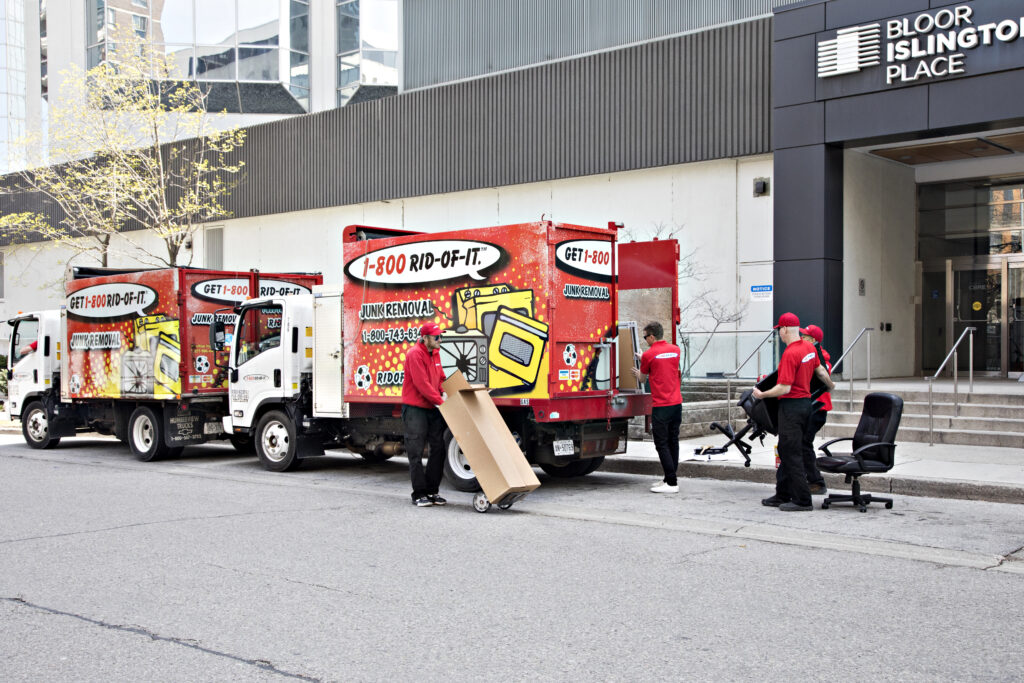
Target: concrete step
[(966, 409), (963, 437), (980, 424), (921, 396)]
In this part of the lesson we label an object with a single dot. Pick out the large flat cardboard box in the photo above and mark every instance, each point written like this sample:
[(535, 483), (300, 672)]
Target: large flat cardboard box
[(489, 447)]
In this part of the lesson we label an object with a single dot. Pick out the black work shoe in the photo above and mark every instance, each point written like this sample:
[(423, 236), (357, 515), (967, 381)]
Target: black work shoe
[(773, 502), (422, 502), (437, 500), (818, 489), (794, 507)]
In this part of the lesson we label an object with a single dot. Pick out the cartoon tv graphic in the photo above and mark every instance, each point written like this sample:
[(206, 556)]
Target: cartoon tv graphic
[(150, 368)]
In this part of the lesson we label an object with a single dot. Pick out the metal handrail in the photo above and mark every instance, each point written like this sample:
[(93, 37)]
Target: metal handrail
[(846, 353), (956, 394), (735, 373)]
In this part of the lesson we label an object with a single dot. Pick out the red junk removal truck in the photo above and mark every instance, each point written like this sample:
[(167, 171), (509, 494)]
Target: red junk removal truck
[(530, 311), (129, 354)]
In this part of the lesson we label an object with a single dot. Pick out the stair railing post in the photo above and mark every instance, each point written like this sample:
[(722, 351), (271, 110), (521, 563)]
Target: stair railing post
[(931, 415), (869, 359), (728, 401), (956, 396), (970, 363), (851, 381)]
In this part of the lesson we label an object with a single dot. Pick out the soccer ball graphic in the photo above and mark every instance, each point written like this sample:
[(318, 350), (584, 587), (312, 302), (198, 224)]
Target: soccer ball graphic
[(363, 377), (201, 364), (569, 355), (75, 385)]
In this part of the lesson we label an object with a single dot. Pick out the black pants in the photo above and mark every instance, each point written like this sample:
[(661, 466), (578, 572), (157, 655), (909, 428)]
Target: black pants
[(424, 428), (814, 425), (665, 422), (790, 479)]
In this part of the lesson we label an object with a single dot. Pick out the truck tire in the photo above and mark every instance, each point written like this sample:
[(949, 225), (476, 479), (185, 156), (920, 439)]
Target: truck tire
[(456, 468), (276, 444), (35, 426), (576, 468), (145, 435)]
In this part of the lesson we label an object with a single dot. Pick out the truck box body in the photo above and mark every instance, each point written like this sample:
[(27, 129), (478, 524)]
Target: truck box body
[(144, 334), (524, 309)]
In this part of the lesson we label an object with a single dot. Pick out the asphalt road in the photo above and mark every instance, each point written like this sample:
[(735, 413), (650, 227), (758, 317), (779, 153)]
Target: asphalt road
[(209, 568)]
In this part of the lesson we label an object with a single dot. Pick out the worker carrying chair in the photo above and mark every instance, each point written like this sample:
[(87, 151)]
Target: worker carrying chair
[(874, 447)]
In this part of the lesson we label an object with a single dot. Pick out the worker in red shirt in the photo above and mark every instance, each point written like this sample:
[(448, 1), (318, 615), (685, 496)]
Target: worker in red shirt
[(812, 334), (424, 425), (793, 389), (660, 363)]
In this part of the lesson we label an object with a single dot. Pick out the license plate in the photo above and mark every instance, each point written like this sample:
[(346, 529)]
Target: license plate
[(564, 447)]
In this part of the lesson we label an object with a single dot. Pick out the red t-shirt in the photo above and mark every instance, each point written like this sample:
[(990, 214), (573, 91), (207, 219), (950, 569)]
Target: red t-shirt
[(798, 363), (826, 398), (661, 364), (421, 384)]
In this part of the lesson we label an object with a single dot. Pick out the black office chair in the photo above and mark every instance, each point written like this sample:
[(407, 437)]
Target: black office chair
[(874, 449)]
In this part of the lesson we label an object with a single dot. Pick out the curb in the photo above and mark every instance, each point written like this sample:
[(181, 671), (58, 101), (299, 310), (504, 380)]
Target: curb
[(881, 484)]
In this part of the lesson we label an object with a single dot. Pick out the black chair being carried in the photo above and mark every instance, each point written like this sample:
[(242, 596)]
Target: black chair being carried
[(874, 447)]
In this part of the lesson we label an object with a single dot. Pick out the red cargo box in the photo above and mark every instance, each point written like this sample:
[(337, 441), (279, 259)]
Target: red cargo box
[(145, 334)]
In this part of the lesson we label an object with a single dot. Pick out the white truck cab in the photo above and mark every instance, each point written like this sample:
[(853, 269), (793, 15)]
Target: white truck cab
[(272, 397), (33, 365)]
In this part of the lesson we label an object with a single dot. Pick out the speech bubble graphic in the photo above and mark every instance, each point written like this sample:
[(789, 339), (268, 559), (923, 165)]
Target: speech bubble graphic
[(236, 290), (111, 301), (590, 259), (428, 261)]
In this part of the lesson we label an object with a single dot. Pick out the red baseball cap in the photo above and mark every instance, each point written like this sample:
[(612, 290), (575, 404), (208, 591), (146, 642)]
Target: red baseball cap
[(813, 331), (788, 320), (431, 329)]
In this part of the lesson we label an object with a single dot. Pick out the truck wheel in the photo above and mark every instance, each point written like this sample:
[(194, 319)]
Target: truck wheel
[(576, 468), (456, 468), (145, 435), (275, 442), (36, 428)]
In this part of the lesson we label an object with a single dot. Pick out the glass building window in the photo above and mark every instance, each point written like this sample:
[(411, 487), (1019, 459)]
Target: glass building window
[(140, 25), (258, 64)]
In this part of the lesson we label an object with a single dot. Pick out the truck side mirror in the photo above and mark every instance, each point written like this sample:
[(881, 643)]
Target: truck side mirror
[(217, 335)]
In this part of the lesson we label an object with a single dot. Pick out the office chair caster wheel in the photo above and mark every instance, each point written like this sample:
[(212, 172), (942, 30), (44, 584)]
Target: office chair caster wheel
[(480, 502), (888, 506), (863, 508), (825, 504)]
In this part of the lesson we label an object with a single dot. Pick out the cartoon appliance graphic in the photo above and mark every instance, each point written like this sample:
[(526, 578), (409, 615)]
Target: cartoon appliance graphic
[(515, 351), (151, 367), (474, 306), (466, 352)]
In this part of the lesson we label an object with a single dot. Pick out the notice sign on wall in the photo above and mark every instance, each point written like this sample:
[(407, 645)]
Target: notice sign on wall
[(760, 292)]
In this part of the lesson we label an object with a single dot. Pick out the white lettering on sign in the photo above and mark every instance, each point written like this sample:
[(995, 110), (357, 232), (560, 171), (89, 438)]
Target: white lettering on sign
[(929, 45), (396, 310), (85, 341), (111, 300), (430, 261), (236, 290), (591, 259)]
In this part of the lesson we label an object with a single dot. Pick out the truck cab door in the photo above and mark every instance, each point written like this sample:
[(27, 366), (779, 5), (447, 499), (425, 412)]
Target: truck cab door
[(26, 361), (257, 354)]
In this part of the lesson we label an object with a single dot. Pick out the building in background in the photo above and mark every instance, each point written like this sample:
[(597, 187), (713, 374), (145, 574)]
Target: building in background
[(862, 187)]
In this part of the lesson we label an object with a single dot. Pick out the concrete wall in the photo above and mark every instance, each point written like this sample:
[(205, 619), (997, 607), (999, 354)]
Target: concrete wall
[(708, 206), (880, 247)]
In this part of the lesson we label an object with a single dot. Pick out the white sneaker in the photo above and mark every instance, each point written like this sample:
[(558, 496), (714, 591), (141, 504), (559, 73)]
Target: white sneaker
[(664, 487)]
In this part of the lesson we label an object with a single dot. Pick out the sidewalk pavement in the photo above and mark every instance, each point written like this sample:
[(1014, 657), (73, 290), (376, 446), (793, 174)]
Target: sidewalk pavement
[(939, 471)]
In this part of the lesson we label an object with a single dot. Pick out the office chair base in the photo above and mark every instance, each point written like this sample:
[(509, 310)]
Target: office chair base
[(861, 501)]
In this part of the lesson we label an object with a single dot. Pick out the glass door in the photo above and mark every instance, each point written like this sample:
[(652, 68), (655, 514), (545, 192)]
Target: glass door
[(1015, 319), (977, 300)]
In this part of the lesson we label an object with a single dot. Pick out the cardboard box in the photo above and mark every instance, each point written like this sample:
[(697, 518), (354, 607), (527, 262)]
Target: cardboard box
[(489, 447)]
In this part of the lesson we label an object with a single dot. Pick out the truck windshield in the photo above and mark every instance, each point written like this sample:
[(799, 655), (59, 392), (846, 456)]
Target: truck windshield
[(25, 333), (259, 331)]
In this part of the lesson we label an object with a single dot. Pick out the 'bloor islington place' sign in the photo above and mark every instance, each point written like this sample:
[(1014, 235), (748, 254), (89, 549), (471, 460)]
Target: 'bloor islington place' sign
[(919, 47)]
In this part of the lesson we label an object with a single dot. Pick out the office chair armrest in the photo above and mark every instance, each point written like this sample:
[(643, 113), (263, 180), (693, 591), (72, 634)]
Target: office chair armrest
[(860, 458), (824, 446)]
